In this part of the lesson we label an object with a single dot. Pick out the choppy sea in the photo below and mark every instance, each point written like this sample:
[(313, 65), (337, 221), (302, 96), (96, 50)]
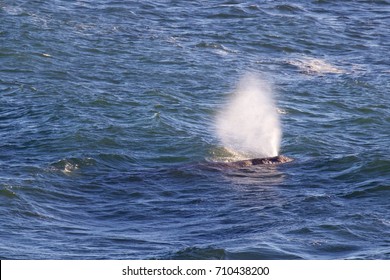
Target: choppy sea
[(107, 126)]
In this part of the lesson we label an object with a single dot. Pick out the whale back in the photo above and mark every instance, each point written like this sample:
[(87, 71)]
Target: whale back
[(271, 160), (259, 161), (256, 161)]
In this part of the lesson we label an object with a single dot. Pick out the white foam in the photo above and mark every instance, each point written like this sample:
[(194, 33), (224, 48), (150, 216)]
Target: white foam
[(12, 10), (316, 66)]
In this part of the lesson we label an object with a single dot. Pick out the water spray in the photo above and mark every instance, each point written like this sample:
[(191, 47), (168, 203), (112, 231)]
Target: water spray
[(249, 124)]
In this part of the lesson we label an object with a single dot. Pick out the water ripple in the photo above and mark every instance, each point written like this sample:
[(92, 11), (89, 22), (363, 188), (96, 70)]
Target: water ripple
[(107, 125)]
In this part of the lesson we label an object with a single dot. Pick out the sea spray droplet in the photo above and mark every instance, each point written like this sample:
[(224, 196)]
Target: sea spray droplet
[(249, 124)]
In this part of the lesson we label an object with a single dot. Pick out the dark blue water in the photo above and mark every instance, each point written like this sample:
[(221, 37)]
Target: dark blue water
[(107, 112)]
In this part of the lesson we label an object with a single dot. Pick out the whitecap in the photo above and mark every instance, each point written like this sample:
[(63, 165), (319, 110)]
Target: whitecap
[(13, 11), (316, 66)]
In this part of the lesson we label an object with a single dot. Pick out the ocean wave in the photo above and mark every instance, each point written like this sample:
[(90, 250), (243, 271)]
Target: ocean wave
[(71, 165), (316, 66), (369, 189), (13, 10), (7, 191), (231, 11), (107, 115), (216, 47), (289, 8)]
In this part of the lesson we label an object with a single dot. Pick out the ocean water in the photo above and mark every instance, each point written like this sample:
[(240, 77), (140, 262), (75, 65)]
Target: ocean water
[(108, 126)]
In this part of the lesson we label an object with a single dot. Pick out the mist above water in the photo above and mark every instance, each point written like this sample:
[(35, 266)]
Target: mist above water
[(249, 125)]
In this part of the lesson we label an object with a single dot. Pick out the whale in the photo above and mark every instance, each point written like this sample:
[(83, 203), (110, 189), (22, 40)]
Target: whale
[(261, 161), (254, 162)]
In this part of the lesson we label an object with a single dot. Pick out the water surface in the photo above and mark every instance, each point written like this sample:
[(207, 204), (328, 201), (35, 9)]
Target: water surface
[(107, 112)]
